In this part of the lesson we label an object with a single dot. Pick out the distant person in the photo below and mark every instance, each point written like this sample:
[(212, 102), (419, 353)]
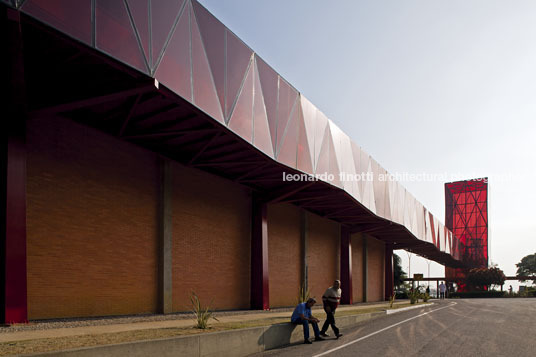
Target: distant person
[(428, 290), (331, 300), (302, 316), (510, 290), (442, 290)]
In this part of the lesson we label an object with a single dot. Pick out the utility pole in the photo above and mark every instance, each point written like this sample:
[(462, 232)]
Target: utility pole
[(409, 266), (428, 261)]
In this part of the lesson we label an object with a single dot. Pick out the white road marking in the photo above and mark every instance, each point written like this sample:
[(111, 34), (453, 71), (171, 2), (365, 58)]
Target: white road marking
[(383, 329)]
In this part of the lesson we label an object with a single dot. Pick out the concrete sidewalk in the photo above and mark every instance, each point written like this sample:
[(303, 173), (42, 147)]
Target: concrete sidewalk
[(96, 328)]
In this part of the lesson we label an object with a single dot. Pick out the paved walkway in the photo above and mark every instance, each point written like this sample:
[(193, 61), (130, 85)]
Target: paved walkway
[(96, 328)]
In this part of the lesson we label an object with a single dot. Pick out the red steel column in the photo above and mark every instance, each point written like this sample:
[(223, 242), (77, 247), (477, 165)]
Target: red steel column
[(260, 297), (389, 272), (13, 173), (346, 267)]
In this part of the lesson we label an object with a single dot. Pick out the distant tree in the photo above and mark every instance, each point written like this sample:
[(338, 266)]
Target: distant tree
[(527, 267), (398, 272), (481, 278)]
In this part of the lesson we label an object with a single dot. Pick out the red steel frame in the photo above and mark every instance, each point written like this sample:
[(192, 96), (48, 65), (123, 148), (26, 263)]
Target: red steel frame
[(13, 298), (466, 215)]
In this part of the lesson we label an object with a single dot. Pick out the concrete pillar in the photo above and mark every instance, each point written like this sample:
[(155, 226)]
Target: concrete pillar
[(346, 267), (389, 272), (13, 278), (365, 268), (166, 237), (260, 296), (304, 228)]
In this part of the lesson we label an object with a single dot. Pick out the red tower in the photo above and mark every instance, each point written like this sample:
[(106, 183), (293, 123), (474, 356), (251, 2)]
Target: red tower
[(466, 215)]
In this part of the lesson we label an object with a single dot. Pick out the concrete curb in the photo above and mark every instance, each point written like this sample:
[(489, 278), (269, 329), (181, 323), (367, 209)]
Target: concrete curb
[(389, 312), (240, 342)]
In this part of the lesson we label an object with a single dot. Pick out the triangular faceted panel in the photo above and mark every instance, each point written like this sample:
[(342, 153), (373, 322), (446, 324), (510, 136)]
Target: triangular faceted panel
[(401, 204), (286, 106), (304, 163), (174, 69), (115, 34), (368, 193), (433, 228), (428, 227), (334, 170), (367, 179), (415, 219), (337, 136), (420, 221), (261, 130), (139, 9), (379, 188), (408, 207), (289, 145), (439, 234), (320, 130), (387, 200), (356, 152), (70, 17), (309, 119), (322, 166), (238, 57), (241, 121), (204, 96), (348, 177), (164, 13), (213, 35), (392, 199), (414, 228), (443, 238), (269, 83)]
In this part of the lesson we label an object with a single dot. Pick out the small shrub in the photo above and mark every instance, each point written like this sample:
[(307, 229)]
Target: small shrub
[(202, 315), (392, 300), (414, 296), (425, 297)]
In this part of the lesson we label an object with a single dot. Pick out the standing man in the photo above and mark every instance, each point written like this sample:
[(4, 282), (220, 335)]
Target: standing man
[(331, 299), (302, 316), (442, 289)]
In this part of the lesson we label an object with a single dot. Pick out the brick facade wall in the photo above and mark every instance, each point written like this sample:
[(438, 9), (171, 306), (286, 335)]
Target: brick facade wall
[(376, 275), (92, 216), (357, 267), (91, 223), (284, 254), (322, 254), (211, 240)]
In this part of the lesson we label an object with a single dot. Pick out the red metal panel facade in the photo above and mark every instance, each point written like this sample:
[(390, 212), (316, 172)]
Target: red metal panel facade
[(194, 55), (199, 64), (466, 215)]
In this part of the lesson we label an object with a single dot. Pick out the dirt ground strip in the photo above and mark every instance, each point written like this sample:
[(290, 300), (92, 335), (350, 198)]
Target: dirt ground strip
[(71, 342)]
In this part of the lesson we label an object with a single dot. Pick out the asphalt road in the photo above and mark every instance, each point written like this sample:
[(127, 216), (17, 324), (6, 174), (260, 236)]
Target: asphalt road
[(471, 327)]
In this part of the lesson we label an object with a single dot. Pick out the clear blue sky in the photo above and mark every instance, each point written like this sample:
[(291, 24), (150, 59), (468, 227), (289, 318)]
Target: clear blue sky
[(437, 87)]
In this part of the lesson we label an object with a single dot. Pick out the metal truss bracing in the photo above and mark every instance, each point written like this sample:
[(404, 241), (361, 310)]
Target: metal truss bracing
[(169, 76), (466, 215)]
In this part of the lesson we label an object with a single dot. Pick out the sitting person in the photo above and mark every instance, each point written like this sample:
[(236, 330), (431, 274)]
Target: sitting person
[(302, 315)]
